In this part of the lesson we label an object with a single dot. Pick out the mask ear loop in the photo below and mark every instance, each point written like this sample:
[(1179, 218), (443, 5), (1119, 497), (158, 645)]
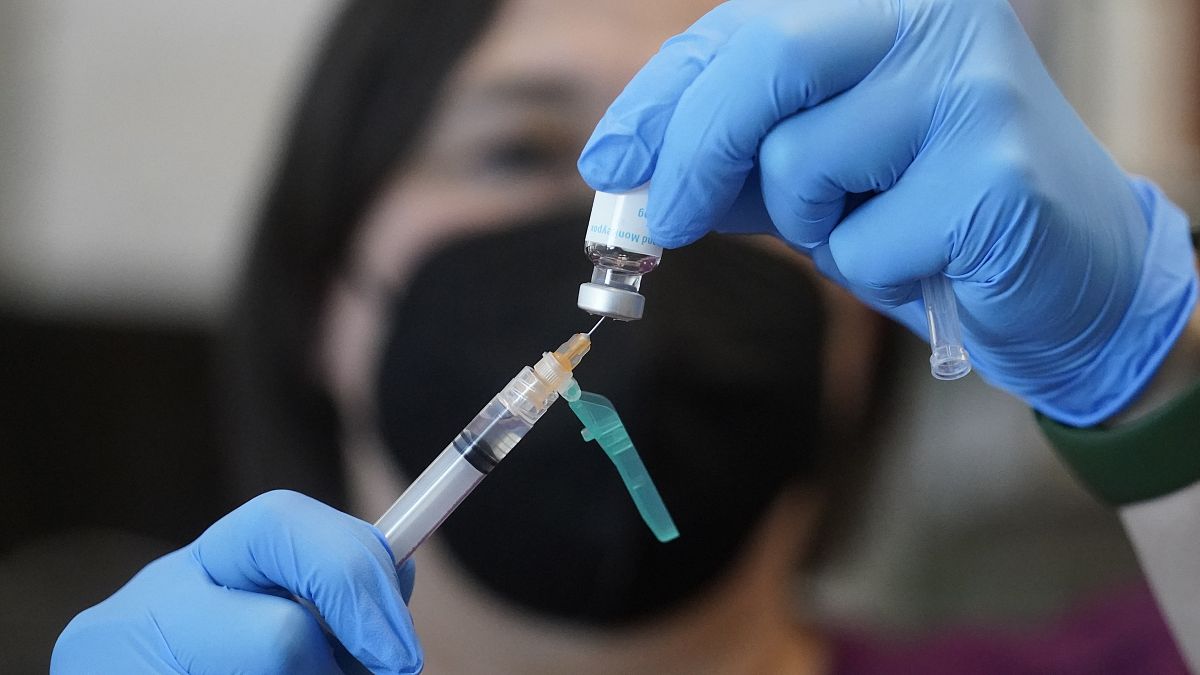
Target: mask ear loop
[(602, 424)]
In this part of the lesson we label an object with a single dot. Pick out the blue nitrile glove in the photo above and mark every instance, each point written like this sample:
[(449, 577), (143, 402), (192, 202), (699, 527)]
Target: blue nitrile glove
[(225, 603), (1073, 278)]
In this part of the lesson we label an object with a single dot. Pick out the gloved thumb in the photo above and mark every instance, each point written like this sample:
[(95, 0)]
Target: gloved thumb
[(284, 541)]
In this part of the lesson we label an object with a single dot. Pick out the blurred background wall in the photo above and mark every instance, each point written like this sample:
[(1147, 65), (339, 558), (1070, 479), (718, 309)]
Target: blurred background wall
[(133, 137)]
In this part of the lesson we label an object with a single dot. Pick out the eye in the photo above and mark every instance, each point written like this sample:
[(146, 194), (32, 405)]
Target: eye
[(520, 156)]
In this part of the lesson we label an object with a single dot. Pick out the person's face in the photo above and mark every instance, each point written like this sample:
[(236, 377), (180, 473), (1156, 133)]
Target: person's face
[(501, 145)]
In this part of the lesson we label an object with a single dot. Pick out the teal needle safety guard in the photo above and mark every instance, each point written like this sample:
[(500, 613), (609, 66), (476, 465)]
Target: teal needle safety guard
[(602, 424)]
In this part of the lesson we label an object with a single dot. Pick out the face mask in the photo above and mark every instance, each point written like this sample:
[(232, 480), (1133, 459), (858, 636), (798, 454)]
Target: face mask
[(718, 386)]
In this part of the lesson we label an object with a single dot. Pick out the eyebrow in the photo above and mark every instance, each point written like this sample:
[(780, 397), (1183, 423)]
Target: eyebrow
[(551, 91)]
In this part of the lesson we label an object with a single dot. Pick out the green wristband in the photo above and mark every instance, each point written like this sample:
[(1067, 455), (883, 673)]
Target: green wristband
[(1147, 458)]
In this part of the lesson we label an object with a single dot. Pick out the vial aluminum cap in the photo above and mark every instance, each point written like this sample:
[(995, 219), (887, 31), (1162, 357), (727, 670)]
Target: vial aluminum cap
[(614, 303)]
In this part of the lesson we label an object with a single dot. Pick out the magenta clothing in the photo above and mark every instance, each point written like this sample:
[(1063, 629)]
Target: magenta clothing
[(1122, 635)]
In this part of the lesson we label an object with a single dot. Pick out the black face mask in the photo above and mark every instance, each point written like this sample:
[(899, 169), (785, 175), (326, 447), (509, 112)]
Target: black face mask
[(718, 386)]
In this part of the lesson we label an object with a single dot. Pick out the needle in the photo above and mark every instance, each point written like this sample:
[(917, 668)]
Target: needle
[(593, 330)]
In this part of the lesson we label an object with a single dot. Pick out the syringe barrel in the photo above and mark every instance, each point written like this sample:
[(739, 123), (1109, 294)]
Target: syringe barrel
[(439, 489), (452, 476)]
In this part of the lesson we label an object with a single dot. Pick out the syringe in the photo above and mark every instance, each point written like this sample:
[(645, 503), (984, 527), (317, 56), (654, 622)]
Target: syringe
[(478, 448)]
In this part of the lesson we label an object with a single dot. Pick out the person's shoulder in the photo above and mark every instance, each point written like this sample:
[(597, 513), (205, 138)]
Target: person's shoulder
[(1124, 632)]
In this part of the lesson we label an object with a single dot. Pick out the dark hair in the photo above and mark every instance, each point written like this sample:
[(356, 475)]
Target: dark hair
[(374, 83)]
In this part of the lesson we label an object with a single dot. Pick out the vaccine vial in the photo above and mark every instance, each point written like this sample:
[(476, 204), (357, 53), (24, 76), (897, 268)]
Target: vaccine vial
[(619, 246)]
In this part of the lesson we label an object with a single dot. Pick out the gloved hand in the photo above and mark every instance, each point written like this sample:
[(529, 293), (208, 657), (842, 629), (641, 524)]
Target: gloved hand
[(225, 603), (936, 116)]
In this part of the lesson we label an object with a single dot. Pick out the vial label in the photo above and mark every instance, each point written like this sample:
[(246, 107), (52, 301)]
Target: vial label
[(619, 220)]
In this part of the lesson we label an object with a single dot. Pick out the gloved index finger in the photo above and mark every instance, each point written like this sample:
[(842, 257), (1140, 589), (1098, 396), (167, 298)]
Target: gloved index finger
[(284, 540), (621, 152), (789, 57)]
